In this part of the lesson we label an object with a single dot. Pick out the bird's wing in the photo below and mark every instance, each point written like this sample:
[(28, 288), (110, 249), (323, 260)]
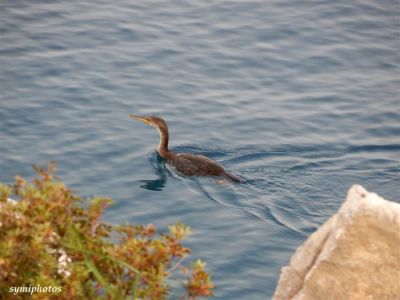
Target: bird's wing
[(185, 165), (196, 165)]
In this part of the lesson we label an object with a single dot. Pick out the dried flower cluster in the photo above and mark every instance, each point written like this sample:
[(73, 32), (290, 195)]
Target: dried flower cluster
[(52, 238)]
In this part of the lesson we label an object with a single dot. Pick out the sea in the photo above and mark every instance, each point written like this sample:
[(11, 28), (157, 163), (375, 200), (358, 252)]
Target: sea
[(299, 98)]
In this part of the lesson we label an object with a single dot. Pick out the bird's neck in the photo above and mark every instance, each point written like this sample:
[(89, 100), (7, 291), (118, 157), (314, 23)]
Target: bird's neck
[(163, 146)]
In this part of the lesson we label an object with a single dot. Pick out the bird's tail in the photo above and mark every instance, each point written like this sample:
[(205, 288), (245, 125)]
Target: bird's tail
[(234, 178)]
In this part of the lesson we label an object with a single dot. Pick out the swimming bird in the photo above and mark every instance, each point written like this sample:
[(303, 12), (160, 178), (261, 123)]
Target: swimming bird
[(185, 163)]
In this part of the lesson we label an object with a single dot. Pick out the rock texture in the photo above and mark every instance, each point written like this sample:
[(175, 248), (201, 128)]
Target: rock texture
[(354, 255)]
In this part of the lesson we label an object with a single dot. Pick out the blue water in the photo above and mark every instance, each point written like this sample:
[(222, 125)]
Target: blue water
[(299, 98)]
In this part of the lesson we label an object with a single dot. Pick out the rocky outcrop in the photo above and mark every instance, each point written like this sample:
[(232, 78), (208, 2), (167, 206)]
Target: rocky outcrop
[(354, 255)]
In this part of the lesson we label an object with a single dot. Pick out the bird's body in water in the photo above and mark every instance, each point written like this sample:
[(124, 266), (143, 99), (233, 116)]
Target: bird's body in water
[(185, 163)]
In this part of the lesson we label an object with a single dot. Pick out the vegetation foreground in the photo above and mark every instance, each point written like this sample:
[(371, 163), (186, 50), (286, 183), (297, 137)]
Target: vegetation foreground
[(54, 245)]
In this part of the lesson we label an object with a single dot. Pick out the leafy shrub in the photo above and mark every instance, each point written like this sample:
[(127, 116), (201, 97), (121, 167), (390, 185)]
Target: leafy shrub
[(53, 238)]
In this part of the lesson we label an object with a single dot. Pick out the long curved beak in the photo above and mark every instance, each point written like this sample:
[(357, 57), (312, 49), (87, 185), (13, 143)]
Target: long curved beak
[(139, 118)]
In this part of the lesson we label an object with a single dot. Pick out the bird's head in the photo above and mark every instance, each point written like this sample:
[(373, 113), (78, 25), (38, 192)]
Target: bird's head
[(153, 121)]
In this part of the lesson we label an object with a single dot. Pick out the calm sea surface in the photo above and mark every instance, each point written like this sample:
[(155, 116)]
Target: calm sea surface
[(299, 98)]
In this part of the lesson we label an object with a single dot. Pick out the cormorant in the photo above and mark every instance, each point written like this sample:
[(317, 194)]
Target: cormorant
[(185, 163)]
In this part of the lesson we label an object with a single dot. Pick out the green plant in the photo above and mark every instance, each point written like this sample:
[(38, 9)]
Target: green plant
[(52, 237)]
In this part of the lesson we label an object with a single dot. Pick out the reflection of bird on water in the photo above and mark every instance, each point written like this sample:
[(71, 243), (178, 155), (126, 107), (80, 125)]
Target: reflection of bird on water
[(159, 183), (185, 163)]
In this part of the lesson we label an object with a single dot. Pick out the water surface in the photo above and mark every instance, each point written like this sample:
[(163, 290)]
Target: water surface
[(299, 98)]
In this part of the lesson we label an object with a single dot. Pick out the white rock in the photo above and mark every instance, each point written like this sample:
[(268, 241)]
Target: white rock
[(353, 255)]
